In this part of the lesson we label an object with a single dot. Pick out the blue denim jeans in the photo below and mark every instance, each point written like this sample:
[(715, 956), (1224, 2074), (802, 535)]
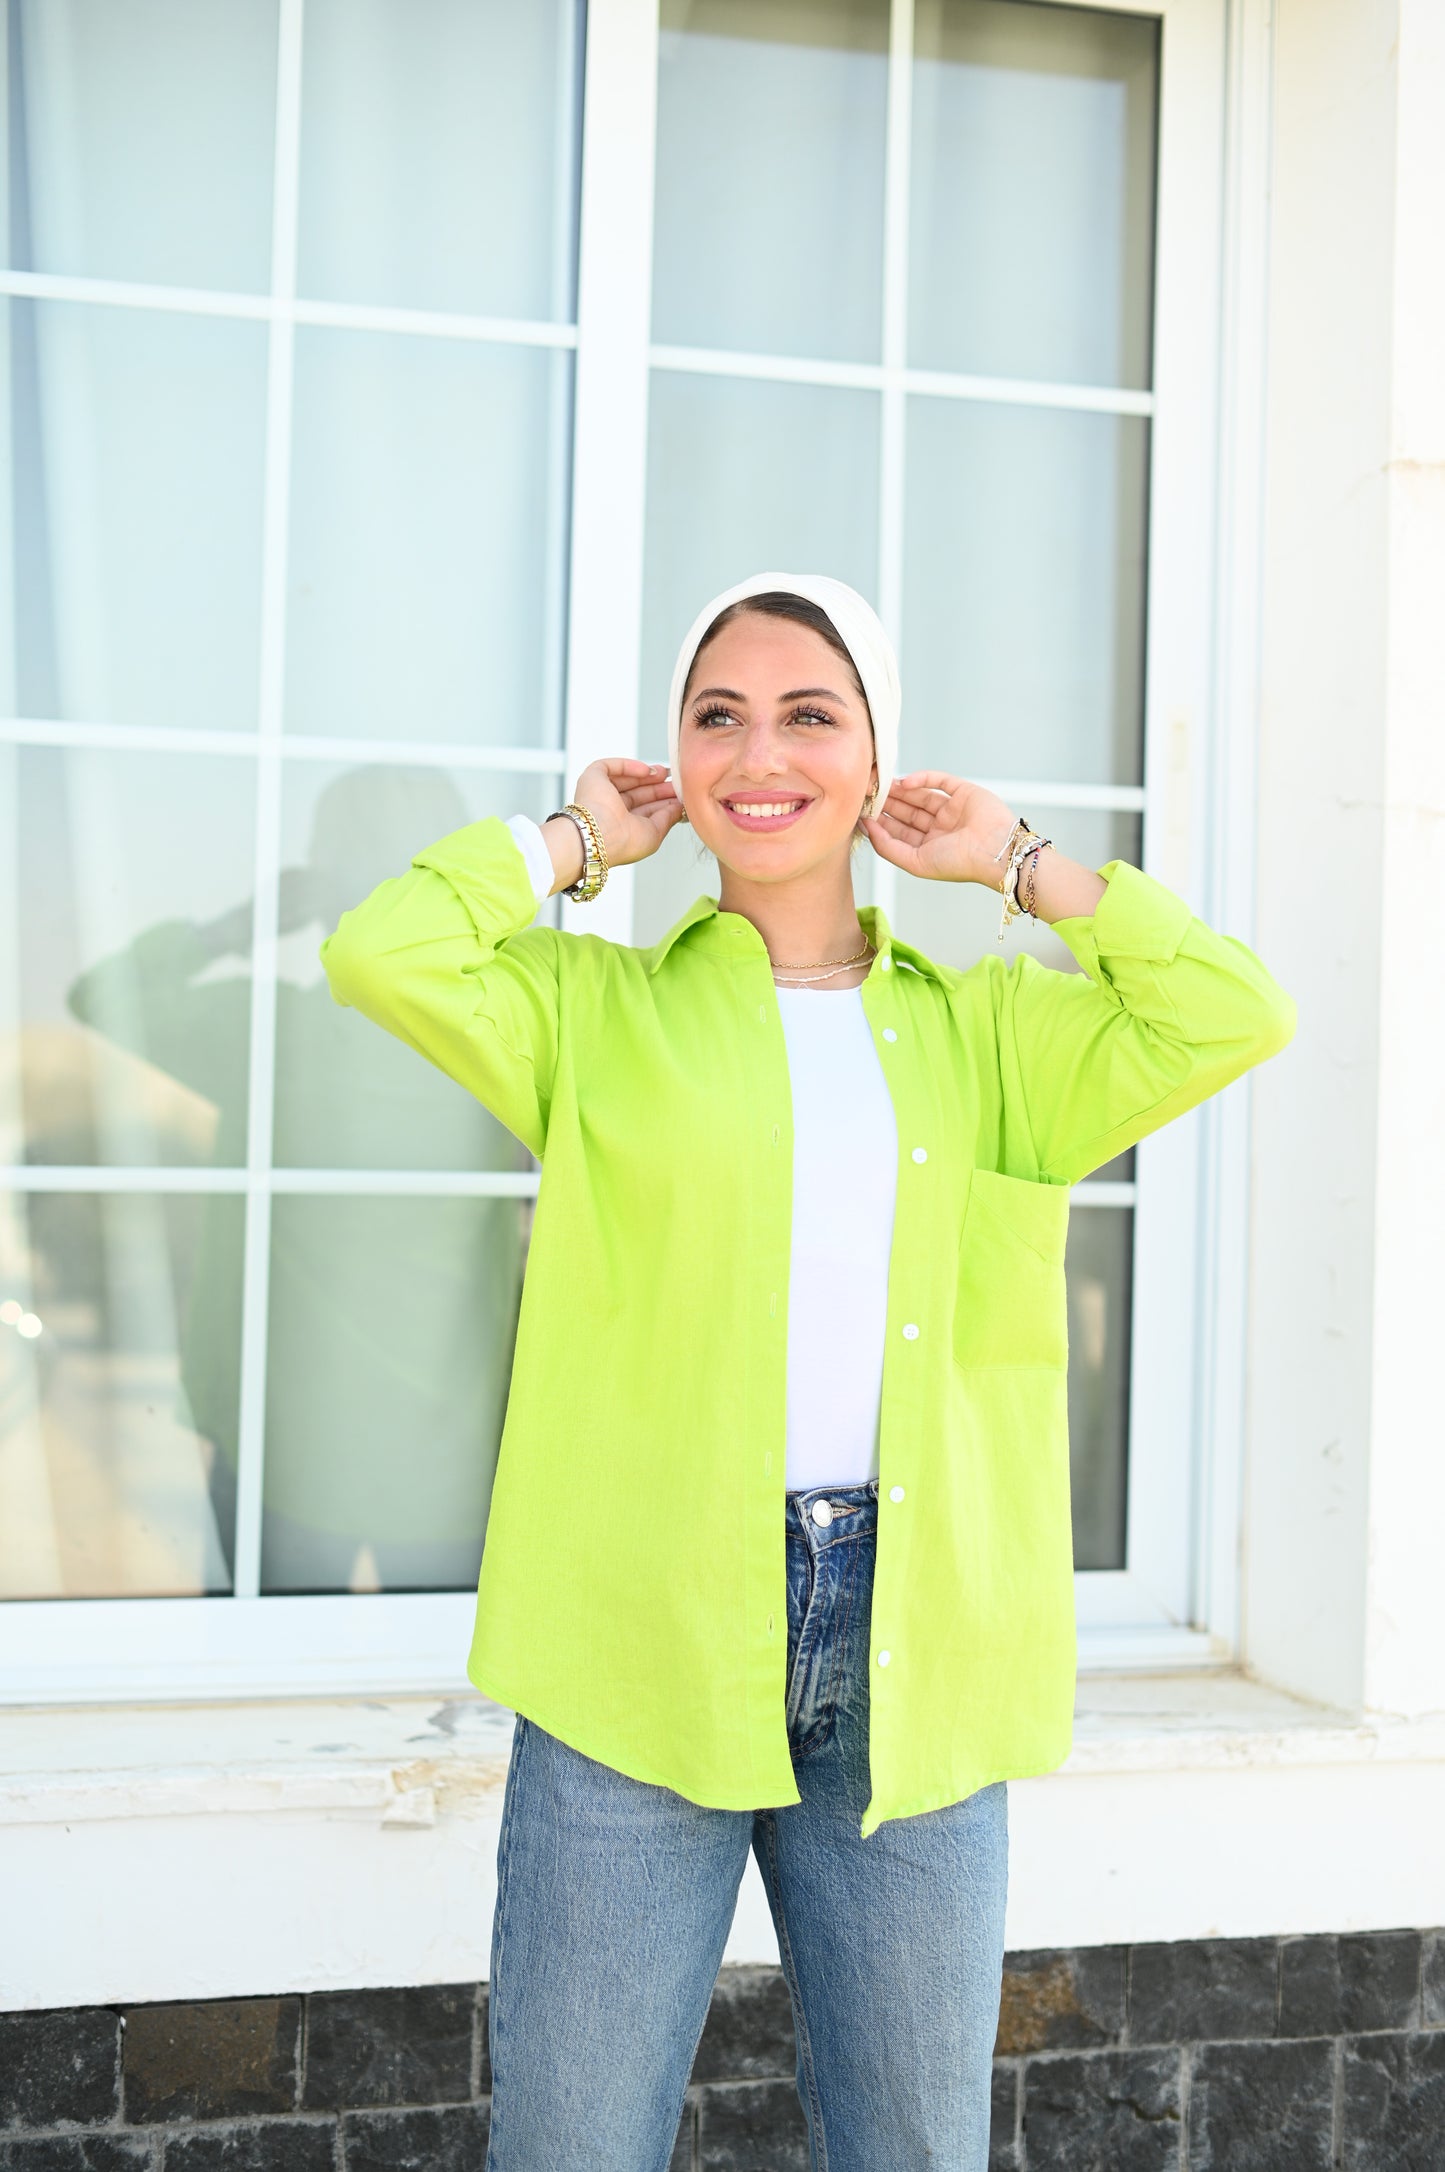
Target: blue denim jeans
[(615, 1898)]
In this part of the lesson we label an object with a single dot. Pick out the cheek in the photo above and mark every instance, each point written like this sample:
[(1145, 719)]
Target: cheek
[(697, 771), (847, 772)]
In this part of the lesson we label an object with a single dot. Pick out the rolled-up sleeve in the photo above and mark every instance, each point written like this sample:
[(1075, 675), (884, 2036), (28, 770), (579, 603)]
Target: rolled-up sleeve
[(444, 957), (1165, 1012)]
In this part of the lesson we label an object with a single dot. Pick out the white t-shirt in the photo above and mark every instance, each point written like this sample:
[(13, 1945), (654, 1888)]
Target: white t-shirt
[(845, 1177)]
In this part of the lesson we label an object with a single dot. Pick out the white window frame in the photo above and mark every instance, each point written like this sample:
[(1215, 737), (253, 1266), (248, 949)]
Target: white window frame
[(1174, 1602)]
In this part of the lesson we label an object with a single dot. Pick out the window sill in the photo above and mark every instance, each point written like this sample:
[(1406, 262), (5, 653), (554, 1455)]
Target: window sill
[(1197, 1721), (409, 1761)]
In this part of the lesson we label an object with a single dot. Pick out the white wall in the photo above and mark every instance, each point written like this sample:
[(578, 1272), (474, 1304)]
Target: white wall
[(1404, 1622), (212, 1852), (1343, 1499)]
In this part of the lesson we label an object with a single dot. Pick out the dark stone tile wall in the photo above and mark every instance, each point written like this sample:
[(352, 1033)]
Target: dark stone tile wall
[(1229, 2055)]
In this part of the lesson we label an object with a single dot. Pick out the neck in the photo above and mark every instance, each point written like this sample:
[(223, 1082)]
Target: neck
[(803, 919)]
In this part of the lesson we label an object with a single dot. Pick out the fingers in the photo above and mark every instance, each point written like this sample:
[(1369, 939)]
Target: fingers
[(906, 831), (663, 817), (899, 851), (924, 795), (638, 796), (931, 779)]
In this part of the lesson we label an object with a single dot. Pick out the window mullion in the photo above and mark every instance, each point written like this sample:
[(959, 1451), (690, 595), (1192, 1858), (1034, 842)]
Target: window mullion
[(893, 440), (256, 1273), (609, 492)]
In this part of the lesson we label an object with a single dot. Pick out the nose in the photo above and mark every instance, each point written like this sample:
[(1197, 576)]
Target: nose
[(762, 753)]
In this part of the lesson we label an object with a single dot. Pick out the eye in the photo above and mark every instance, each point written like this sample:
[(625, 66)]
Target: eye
[(717, 713)]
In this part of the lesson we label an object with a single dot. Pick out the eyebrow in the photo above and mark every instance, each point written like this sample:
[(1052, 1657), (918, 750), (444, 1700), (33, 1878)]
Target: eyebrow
[(730, 693)]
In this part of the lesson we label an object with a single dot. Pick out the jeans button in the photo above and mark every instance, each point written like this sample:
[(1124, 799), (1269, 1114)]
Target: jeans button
[(823, 1512)]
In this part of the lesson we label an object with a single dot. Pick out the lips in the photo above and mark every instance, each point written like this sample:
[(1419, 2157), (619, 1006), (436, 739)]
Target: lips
[(791, 805)]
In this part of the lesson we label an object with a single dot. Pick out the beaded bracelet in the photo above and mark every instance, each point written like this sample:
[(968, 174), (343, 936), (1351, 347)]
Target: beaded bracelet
[(1020, 842)]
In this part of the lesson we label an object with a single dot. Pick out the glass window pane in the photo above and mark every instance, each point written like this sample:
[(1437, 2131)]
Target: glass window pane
[(131, 484), (1032, 211), (956, 923), (428, 526), (142, 139), (743, 475), (125, 957), (120, 1352), (1098, 1263), (1023, 617), (391, 1336), (768, 232), (348, 1094), (439, 152)]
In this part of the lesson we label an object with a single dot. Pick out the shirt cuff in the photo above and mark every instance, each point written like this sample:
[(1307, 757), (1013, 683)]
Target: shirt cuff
[(1136, 917), (534, 851)]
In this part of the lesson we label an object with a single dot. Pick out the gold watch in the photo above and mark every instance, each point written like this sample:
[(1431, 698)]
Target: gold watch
[(594, 853)]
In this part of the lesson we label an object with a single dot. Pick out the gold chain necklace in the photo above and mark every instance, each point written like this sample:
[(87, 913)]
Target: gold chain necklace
[(816, 973)]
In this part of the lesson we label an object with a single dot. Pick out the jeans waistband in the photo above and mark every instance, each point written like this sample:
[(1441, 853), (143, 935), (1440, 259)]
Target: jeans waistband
[(852, 1511)]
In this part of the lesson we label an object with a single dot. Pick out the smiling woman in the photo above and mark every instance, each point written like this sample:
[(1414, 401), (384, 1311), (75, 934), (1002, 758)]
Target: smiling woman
[(846, 1363)]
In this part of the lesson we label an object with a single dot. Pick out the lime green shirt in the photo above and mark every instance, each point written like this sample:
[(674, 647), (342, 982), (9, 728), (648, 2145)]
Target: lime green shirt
[(632, 1596)]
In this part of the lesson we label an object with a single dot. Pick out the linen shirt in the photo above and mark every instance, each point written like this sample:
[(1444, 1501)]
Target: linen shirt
[(632, 1597)]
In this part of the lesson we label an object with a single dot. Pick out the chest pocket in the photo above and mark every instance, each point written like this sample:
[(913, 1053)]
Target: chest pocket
[(1011, 1301)]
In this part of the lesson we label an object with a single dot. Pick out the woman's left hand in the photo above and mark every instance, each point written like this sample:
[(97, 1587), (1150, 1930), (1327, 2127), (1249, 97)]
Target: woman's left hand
[(942, 827)]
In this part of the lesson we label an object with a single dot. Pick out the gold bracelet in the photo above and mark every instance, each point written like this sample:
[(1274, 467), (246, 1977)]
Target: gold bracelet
[(594, 853), (1020, 841)]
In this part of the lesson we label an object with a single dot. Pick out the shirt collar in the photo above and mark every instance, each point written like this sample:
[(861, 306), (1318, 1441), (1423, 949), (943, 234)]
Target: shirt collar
[(721, 934)]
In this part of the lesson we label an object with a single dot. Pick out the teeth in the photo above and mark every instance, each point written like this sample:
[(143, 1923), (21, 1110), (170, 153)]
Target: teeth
[(759, 808)]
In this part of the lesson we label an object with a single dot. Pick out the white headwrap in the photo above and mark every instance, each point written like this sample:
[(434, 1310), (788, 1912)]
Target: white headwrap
[(861, 631)]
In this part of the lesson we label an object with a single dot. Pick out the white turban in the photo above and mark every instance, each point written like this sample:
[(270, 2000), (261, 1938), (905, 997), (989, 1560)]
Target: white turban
[(861, 631)]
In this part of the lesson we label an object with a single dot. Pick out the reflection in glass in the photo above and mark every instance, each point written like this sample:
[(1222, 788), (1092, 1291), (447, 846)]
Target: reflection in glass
[(768, 232), (125, 955), (956, 923), (392, 1324), (439, 152), (1023, 628), (428, 530), (743, 475), (120, 1333), (1099, 1267), (142, 139), (131, 468), (348, 1094), (1032, 210)]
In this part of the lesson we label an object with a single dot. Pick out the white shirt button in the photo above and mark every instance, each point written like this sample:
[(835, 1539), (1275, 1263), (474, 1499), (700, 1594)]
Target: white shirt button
[(889, 1034), (895, 1493), (885, 965), (910, 1332), (822, 1512), (883, 1658), (920, 1153)]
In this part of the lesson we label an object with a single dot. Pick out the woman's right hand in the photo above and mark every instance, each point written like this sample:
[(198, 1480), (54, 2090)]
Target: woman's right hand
[(633, 804)]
